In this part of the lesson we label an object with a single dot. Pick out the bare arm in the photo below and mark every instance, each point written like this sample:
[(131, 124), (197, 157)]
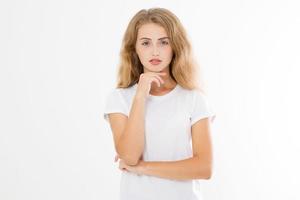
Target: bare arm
[(130, 144), (199, 166), (187, 169), (129, 132)]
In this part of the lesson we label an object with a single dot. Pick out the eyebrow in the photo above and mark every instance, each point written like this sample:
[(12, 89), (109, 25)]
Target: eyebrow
[(158, 39)]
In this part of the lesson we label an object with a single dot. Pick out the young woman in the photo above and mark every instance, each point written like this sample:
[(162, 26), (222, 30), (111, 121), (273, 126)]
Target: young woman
[(159, 117)]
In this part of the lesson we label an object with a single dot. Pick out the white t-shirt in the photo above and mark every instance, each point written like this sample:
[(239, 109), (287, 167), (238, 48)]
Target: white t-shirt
[(168, 121)]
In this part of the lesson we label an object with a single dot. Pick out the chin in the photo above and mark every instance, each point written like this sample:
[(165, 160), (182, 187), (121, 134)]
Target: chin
[(155, 69)]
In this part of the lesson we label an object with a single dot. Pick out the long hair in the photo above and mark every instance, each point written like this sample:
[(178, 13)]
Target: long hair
[(183, 67)]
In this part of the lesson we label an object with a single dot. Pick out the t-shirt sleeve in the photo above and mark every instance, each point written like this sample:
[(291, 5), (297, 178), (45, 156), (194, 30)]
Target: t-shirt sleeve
[(114, 103), (201, 108)]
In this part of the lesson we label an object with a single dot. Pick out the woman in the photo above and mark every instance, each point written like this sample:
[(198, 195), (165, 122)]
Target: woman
[(159, 117)]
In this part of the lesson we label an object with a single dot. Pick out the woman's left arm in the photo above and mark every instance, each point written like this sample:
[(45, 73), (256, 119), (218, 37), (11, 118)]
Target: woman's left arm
[(197, 167)]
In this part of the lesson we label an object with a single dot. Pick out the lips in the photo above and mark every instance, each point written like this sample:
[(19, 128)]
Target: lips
[(155, 61)]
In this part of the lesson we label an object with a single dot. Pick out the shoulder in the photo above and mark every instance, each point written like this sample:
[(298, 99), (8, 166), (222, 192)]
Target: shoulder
[(121, 91), (121, 94), (191, 94)]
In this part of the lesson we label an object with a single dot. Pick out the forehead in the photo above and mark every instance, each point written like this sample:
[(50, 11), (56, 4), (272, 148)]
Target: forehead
[(151, 30)]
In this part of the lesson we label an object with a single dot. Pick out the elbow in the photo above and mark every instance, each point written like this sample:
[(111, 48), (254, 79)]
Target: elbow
[(205, 172), (205, 169), (208, 173), (129, 157), (204, 175), (129, 160), (208, 176)]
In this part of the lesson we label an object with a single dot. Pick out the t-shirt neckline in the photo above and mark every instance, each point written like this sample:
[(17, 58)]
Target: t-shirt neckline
[(155, 97)]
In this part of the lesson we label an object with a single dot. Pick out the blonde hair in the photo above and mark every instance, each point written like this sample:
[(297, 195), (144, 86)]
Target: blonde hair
[(183, 67)]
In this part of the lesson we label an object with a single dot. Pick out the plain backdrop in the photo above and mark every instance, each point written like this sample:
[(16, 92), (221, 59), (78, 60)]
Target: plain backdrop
[(58, 61)]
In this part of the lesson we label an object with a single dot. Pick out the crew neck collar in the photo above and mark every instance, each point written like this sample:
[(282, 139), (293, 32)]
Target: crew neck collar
[(169, 94)]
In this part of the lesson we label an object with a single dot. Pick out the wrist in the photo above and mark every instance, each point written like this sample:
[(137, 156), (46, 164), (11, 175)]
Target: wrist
[(140, 97), (143, 167)]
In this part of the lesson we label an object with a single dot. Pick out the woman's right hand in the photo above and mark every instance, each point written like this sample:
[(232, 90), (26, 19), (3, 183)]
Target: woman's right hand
[(145, 82)]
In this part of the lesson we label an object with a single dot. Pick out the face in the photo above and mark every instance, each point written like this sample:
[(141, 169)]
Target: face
[(153, 48)]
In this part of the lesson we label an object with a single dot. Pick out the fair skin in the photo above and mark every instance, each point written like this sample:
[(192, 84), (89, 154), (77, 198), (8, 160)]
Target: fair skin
[(152, 42)]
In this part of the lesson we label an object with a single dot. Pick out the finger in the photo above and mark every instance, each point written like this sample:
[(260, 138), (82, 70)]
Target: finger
[(116, 158), (121, 167), (157, 81), (161, 80)]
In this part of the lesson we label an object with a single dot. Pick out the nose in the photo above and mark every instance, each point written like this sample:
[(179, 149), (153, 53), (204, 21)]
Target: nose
[(155, 51)]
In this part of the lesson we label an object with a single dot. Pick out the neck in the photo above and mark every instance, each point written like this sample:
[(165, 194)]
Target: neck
[(169, 83)]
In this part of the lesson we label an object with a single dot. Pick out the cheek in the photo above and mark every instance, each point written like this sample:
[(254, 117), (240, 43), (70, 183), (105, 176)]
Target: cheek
[(142, 53), (169, 53), (141, 57)]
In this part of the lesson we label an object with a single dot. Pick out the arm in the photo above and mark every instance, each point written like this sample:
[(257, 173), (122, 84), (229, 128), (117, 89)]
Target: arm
[(187, 169), (129, 132), (197, 167)]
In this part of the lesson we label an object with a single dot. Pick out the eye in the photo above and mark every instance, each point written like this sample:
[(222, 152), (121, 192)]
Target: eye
[(165, 42), (145, 43)]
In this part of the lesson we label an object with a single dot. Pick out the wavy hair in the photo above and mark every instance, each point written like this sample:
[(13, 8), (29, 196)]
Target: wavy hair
[(183, 67)]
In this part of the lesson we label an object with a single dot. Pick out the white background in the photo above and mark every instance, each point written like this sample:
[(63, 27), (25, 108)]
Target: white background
[(58, 61)]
